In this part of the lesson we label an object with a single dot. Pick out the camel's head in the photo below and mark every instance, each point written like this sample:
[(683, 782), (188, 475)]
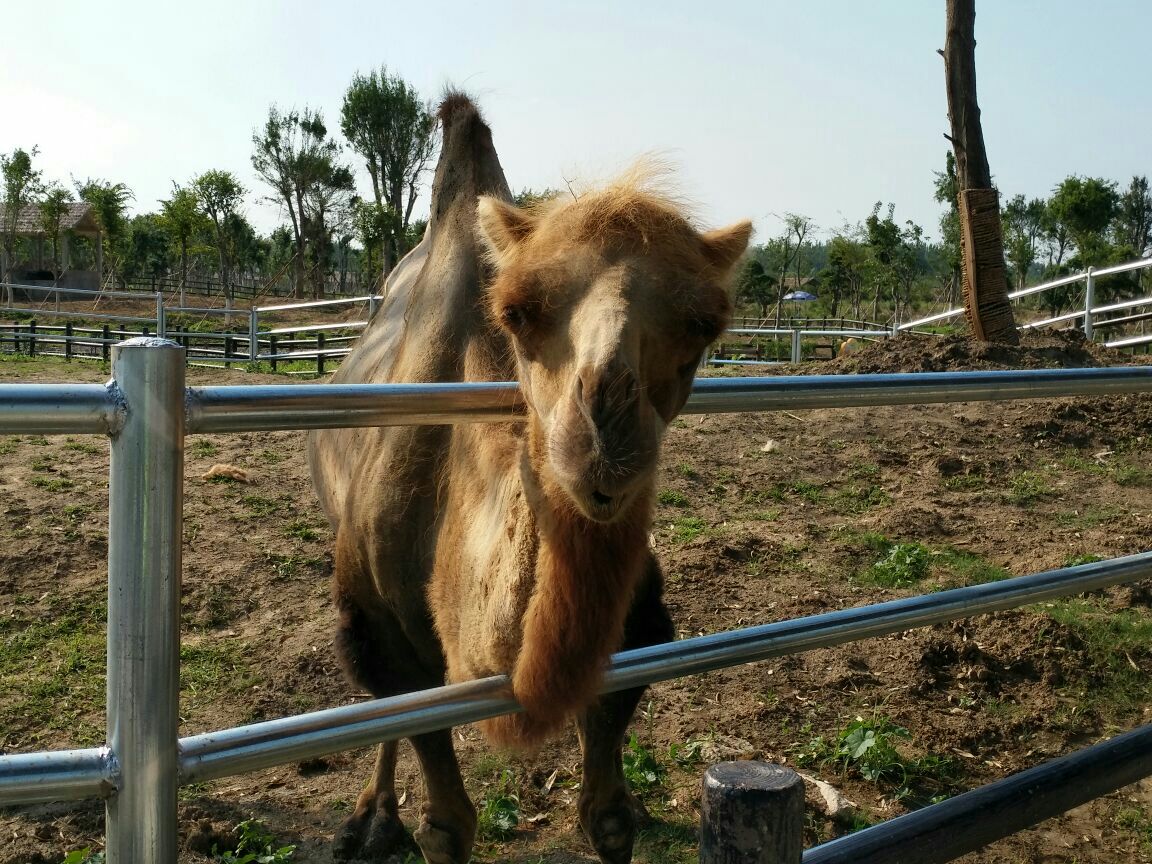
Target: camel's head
[(609, 301)]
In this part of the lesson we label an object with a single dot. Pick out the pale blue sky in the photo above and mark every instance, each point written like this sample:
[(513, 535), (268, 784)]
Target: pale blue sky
[(820, 108)]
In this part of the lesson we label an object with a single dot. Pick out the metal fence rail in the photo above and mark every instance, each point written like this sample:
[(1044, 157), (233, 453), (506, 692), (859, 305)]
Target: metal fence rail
[(147, 411)]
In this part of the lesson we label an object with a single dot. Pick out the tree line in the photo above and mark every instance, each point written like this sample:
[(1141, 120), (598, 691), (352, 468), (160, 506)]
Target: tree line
[(202, 226), (884, 269)]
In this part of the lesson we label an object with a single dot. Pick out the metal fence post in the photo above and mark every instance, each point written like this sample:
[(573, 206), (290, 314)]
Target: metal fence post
[(161, 322), (795, 346), (145, 499), (253, 333), (1089, 301), (751, 813)]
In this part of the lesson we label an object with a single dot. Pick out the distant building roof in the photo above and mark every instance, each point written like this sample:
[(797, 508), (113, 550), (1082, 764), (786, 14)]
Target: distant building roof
[(78, 218)]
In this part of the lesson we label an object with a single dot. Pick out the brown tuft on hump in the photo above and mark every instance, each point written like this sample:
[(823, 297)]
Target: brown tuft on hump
[(455, 103)]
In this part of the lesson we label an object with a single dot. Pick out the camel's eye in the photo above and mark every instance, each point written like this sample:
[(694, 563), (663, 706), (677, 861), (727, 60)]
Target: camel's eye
[(705, 327), (515, 318)]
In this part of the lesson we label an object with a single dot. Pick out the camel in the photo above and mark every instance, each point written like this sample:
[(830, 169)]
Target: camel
[(517, 547)]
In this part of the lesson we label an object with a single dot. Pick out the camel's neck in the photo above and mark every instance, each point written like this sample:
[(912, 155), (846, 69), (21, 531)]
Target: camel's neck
[(586, 575)]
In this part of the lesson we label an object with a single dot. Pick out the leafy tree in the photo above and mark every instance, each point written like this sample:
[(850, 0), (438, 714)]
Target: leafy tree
[(53, 209), (328, 209), (1132, 226), (1023, 222), (295, 156), (947, 192), (220, 195), (844, 274), (897, 254), (146, 254), (181, 219), (370, 224), (756, 285), (394, 131), (21, 186), (1085, 206), (530, 197), (110, 210)]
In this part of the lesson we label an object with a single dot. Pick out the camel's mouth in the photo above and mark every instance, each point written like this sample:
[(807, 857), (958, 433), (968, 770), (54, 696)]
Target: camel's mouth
[(599, 506)]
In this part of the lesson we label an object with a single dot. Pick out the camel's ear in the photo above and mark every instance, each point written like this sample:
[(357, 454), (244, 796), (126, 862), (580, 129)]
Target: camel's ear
[(502, 226), (724, 246)]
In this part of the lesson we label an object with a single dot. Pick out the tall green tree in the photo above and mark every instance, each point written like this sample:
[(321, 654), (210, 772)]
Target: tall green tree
[(221, 196), (1132, 225), (21, 187), (146, 255), (388, 124), (947, 192), (844, 274), (110, 210), (1023, 222), (1085, 207), (756, 285), (294, 155), (182, 221), (53, 208), (328, 211)]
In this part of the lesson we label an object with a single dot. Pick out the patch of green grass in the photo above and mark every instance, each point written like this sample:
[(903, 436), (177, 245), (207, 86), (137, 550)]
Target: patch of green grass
[(1029, 487), (261, 505), (83, 856), (1121, 472), (902, 565), (254, 845), (1077, 560), (287, 566), (965, 482), (870, 748), (858, 499), (1090, 517), (8, 445), (52, 484), (1137, 821), (672, 498), (272, 457), (967, 568), (687, 528), (670, 840), (1114, 648), (43, 463), (302, 529), (204, 448), (499, 811), (54, 662), (85, 447), (642, 769), (686, 470), (219, 666)]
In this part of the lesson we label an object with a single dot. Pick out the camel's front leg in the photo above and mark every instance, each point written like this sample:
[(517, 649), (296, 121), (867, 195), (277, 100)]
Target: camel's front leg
[(448, 819), (608, 812), (374, 830)]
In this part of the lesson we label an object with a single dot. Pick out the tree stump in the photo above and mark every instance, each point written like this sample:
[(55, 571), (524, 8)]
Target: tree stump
[(751, 813)]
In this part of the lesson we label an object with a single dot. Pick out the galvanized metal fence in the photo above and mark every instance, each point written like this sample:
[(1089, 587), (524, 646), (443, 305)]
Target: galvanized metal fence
[(147, 410)]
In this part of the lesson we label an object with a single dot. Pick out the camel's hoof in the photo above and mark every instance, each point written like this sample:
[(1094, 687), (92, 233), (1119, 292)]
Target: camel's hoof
[(372, 836), (612, 831), (441, 846)]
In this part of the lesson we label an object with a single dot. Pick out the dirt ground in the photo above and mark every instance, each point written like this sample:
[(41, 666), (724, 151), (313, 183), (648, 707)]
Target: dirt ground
[(762, 517)]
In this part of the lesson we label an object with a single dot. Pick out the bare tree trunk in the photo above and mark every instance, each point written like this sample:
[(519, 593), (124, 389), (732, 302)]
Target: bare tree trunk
[(981, 240)]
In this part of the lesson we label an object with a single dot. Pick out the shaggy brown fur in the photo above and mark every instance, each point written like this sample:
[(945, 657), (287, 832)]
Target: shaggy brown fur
[(517, 548)]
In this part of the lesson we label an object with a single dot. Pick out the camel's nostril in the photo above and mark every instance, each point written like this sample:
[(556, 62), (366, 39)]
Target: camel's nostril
[(601, 499)]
